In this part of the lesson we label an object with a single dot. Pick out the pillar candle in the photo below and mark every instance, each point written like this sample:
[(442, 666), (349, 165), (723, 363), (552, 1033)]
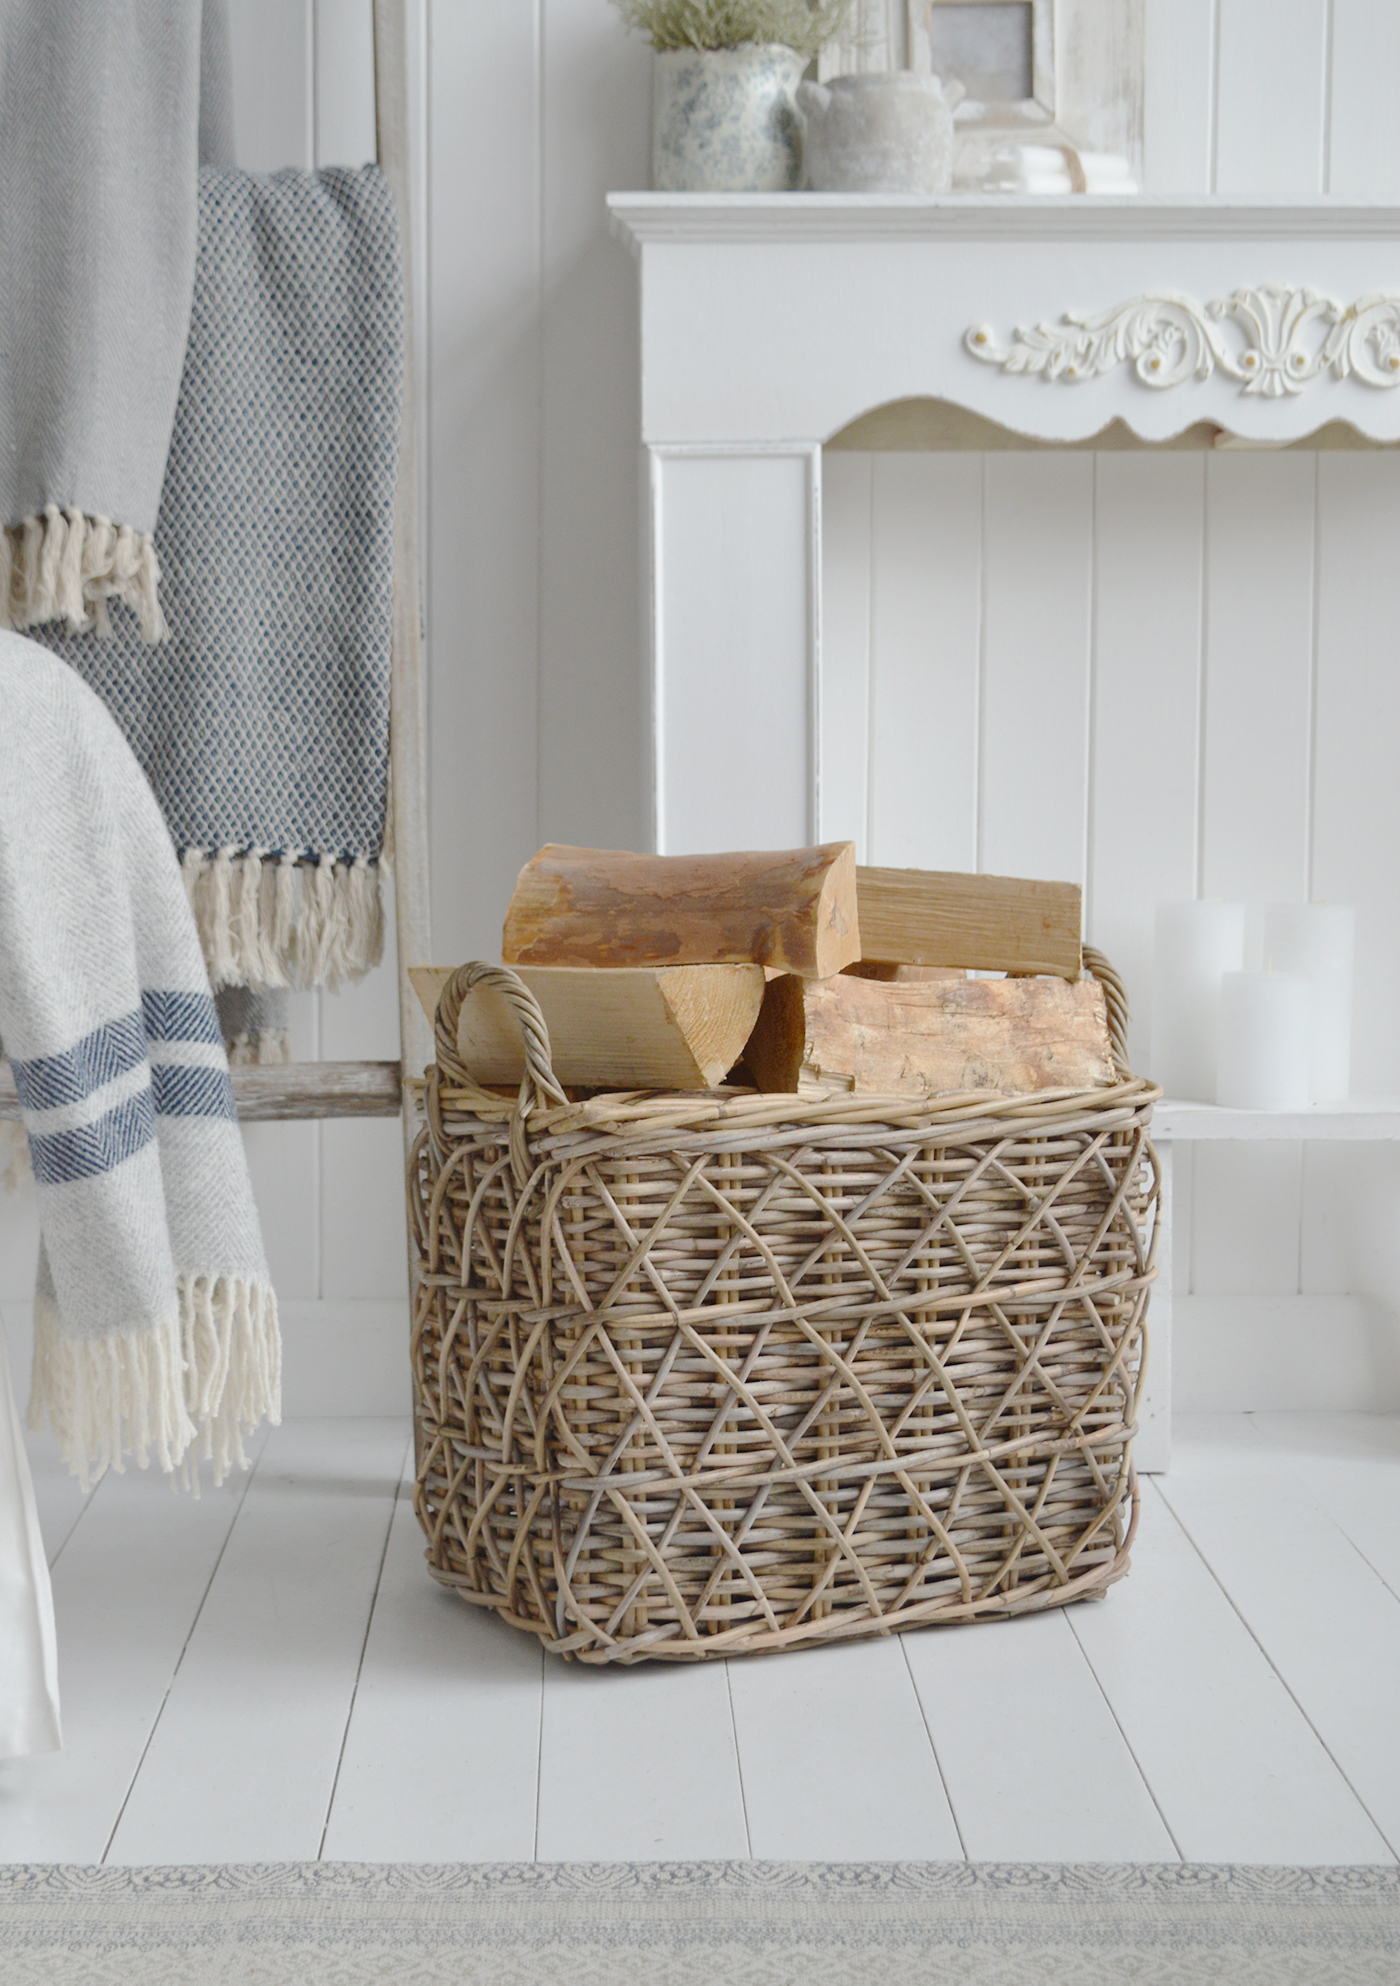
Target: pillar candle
[(1195, 944), (1318, 940), (1264, 1041)]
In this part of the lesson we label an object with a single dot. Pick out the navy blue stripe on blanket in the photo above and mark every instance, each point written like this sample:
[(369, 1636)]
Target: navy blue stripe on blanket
[(180, 1017), (63, 1156), (184, 1091), (108, 1052)]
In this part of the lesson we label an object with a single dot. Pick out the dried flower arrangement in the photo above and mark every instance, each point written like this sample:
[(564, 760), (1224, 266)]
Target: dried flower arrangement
[(803, 25)]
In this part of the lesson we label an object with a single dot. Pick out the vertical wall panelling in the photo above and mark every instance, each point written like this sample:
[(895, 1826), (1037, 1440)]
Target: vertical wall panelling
[(595, 135), (1035, 687), (1178, 96), (483, 511), (1364, 137), (363, 1239), (344, 81), (1147, 611), (844, 687), (284, 1161), (927, 613), (1260, 520), (1351, 1211), (1271, 98), (274, 113), (738, 776)]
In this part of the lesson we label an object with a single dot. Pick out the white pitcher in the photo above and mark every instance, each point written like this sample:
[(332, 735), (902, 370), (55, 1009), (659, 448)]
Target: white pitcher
[(881, 133)]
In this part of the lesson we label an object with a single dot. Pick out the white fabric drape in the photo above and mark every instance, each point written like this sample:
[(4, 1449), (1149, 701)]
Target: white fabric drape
[(28, 1665)]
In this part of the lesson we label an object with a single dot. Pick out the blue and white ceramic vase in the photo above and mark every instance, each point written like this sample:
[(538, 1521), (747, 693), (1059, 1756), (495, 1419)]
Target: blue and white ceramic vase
[(725, 120)]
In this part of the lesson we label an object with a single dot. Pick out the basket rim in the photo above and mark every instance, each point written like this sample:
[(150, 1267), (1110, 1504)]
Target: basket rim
[(645, 1114)]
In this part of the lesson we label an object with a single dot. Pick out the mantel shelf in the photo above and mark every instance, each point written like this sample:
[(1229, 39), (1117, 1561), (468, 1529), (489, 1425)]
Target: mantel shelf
[(643, 218), (776, 320), (1358, 1119)]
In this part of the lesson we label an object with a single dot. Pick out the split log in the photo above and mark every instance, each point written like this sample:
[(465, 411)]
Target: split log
[(628, 1028), (794, 910), (993, 923), (880, 1038)]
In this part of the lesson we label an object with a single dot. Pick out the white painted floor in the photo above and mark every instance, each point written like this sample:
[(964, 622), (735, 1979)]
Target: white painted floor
[(269, 1674)]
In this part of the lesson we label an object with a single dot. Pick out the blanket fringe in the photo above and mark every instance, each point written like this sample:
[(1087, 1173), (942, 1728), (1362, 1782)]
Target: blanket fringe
[(247, 1051), (63, 565), (270, 920), (188, 1389)]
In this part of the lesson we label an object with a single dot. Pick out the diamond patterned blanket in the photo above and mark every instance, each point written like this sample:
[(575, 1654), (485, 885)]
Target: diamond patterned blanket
[(263, 722)]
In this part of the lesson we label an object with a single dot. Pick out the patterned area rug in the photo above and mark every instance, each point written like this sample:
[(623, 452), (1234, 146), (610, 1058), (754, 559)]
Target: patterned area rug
[(699, 1924)]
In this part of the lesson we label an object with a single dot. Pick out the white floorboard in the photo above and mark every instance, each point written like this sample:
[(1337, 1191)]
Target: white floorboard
[(639, 1765), (269, 1673), (1351, 1464), (243, 1761), (1036, 1767), (836, 1758), (58, 1493), (127, 1590), (1329, 1625), (1238, 1772), (441, 1759)]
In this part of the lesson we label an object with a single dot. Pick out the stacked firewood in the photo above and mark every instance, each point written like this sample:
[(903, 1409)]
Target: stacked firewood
[(794, 972)]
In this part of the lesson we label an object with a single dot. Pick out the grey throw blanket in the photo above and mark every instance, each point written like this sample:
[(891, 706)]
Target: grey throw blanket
[(101, 124), (155, 1325), (263, 722)]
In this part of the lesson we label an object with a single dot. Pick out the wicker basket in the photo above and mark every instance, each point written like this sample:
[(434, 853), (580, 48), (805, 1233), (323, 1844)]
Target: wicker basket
[(724, 1373)]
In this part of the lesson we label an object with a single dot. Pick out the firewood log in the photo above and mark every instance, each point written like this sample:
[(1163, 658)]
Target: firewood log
[(643, 1027), (872, 1037), (794, 910), (993, 923)]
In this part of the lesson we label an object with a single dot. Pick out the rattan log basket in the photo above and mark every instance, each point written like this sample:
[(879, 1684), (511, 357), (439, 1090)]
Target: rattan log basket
[(729, 1373)]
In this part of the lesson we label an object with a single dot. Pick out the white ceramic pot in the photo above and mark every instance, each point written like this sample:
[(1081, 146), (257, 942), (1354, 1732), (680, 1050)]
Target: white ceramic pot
[(882, 133), (725, 120)]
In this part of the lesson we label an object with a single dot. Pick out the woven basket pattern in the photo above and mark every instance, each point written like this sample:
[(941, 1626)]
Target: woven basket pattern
[(706, 1375)]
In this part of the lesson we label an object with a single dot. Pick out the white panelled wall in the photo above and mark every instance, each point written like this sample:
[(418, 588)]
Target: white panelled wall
[(1155, 672), (1170, 674)]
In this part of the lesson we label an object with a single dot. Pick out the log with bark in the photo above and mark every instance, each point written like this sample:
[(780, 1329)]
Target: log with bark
[(893, 1038), (794, 910), (643, 1027)]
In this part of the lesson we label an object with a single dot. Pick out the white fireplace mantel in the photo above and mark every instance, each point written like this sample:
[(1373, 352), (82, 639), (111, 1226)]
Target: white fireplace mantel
[(769, 322)]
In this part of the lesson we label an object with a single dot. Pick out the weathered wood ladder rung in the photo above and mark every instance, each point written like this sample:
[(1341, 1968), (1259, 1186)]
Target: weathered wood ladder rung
[(291, 1090)]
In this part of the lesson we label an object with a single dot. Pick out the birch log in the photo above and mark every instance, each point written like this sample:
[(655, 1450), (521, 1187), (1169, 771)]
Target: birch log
[(677, 1027), (793, 909), (893, 1038)]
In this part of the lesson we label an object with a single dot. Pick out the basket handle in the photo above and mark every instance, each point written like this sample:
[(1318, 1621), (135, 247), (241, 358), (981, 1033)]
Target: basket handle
[(538, 1086), (1116, 1001)]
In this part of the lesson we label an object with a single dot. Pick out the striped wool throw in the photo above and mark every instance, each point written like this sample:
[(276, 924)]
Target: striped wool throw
[(155, 1323)]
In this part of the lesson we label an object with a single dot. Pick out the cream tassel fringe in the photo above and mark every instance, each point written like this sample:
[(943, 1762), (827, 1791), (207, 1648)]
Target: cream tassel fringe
[(247, 1051), (61, 565), (189, 1388), (272, 921)]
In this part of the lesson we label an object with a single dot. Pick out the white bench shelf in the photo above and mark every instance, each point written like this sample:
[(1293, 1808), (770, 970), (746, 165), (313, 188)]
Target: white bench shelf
[(1358, 1118)]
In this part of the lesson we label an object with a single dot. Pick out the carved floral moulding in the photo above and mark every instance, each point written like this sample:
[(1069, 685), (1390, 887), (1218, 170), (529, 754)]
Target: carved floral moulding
[(1274, 339)]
